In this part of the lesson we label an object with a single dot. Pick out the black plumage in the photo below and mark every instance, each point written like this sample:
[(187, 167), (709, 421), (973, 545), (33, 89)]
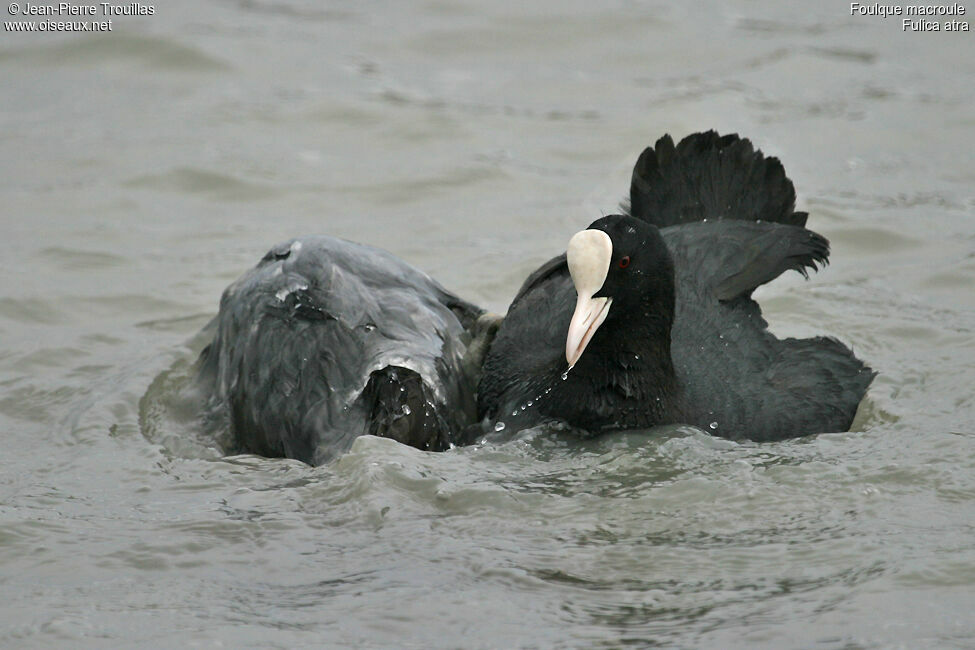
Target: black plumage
[(710, 219)]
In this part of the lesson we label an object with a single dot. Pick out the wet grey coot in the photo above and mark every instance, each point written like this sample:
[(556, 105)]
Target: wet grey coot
[(326, 340), (652, 310)]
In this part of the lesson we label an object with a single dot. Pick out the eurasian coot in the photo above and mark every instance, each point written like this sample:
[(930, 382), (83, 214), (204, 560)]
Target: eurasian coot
[(648, 319), (326, 340)]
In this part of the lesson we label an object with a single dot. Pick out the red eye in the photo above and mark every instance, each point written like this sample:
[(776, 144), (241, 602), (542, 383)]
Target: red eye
[(624, 261)]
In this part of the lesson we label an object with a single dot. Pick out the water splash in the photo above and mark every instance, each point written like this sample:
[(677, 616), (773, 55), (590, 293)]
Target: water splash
[(536, 400)]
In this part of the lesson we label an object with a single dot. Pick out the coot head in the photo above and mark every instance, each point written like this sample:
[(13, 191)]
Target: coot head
[(624, 278)]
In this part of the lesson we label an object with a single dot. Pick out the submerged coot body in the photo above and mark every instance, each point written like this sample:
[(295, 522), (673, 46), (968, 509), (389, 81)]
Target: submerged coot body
[(654, 310), (326, 340)]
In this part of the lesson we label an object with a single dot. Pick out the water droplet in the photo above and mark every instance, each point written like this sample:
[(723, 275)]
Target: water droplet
[(530, 402), (523, 407), (406, 409), (565, 375), (499, 426), (515, 412), (713, 425), (369, 327), (636, 356), (548, 390)]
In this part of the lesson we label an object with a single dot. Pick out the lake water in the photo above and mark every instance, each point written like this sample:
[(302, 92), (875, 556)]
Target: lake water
[(145, 168)]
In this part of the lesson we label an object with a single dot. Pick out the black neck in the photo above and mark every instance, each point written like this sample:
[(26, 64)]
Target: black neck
[(627, 372)]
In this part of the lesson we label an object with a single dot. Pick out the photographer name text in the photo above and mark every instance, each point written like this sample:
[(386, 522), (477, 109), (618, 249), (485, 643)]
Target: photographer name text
[(70, 9)]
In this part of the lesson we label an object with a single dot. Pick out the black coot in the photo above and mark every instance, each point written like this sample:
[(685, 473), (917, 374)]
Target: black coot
[(326, 340), (654, 310)]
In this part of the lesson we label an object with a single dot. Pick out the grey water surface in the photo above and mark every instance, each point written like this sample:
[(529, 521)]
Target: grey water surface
[(144, 169)]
